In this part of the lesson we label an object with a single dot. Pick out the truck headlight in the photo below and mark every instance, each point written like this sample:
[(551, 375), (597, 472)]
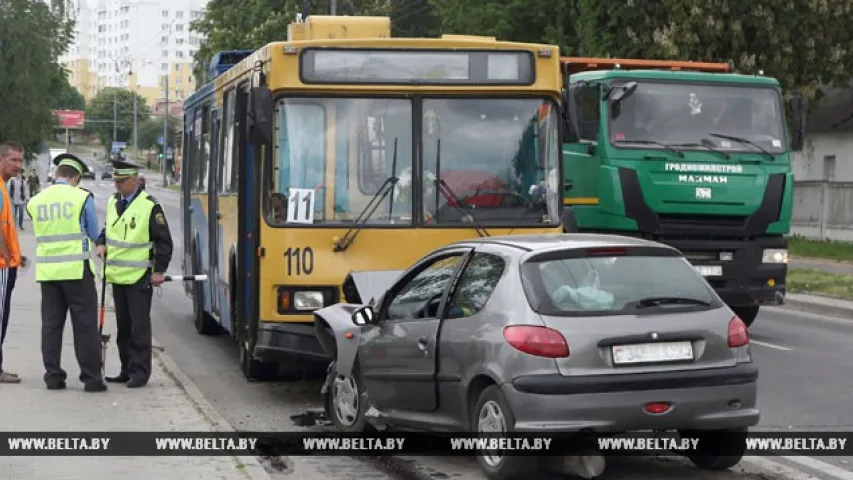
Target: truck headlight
[(774, 255), (307, 300)]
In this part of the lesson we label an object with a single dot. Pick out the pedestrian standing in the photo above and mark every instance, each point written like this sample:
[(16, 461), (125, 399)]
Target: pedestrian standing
[(19, 191), (34, 183), (63, 217), (11, 164), (135, 222)]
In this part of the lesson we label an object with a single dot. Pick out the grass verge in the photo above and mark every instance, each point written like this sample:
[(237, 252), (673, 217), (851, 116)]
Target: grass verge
[(826, 249), (807, 280)]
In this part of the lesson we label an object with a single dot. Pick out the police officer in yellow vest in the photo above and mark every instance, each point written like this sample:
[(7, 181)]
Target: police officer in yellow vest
[(63, 217), (138, 248)]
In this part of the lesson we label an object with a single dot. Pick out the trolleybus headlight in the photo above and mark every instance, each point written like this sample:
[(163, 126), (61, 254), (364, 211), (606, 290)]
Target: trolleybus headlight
[(774, 255), (307, 300)]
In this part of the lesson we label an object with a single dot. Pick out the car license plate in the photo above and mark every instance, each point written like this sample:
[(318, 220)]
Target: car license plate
[(652, 352), (709, 270)]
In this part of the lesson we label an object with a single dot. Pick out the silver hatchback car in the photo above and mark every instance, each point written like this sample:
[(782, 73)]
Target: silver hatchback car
[(545, 333)]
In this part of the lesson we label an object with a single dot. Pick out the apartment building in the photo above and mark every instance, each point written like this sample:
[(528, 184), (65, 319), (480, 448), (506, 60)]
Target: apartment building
[(134, 44)]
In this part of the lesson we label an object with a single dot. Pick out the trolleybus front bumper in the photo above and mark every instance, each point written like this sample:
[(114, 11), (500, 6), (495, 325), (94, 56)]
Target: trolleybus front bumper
[(279, 341)]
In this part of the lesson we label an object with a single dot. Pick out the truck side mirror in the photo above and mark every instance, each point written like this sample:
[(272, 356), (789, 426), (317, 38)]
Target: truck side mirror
[(798, 105), (260, 115), (571, 127)]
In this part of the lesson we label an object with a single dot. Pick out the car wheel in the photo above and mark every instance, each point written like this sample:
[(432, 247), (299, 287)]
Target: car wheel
[(747, 313), (346, 402), (717, 449), (492, 415)]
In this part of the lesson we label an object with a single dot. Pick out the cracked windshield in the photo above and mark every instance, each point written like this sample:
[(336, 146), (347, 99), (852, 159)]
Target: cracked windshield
[(489, 161), (696, 115)]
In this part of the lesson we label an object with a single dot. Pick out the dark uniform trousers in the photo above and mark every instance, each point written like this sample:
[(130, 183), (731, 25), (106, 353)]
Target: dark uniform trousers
[(133, 322), (81, 298)]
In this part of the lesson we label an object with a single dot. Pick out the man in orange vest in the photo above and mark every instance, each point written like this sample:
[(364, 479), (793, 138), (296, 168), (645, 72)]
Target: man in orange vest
[(11, 165)]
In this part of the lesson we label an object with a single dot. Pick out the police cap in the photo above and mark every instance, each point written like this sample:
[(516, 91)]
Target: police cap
[(123, 169), (72, 161)]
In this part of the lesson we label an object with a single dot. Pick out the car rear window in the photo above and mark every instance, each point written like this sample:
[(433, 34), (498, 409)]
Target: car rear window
[(613, 284)]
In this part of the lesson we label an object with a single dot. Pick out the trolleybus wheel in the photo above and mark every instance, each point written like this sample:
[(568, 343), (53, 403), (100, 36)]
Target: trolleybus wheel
[(255, 369), (204, 323)]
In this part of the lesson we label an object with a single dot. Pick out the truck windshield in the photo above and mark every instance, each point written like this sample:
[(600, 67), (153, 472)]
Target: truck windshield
[(496, 158), (688, 114)]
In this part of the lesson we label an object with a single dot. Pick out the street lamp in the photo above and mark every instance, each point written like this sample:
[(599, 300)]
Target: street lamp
[(166, 107)]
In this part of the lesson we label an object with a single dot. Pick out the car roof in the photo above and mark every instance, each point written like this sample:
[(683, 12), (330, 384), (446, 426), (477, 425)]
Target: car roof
[(566, 241)]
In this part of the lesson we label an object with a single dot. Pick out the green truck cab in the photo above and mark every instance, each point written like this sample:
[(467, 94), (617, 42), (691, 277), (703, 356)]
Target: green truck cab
[(688, 155)]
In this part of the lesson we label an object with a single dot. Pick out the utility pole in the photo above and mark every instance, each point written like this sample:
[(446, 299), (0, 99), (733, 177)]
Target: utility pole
[(165, 130), (135, 130), (333, 7), (115, 117)]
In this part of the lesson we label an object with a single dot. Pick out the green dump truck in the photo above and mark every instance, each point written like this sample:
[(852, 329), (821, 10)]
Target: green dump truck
[(689, 155)]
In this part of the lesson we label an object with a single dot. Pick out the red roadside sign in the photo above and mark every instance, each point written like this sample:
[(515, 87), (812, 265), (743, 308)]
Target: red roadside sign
[(73, 119)]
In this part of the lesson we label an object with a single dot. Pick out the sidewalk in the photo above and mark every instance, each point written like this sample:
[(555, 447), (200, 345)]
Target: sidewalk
[(170, 402)]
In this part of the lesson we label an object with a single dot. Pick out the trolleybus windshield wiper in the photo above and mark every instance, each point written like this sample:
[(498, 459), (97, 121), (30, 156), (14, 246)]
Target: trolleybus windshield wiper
[(745, 141), (452, 199), (384, 190)]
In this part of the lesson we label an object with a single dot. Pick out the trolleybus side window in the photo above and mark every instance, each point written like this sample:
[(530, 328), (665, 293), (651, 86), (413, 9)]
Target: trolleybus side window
[(227, 181), (204, 151), (197, 161)]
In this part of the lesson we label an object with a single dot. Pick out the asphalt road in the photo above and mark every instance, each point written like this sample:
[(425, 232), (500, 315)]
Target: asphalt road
[(805, 383)]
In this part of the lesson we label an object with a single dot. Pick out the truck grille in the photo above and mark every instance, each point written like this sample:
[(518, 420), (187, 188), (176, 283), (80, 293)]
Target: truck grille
[(701, 256), (703, 221)]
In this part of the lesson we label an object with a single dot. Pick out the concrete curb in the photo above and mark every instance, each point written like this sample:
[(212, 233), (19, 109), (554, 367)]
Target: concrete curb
[(249, 466), (819, 306)]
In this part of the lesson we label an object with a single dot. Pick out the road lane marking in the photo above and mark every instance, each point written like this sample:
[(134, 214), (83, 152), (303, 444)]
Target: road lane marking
[(763, 466), (770, 345), (822, 467), (812, 316)]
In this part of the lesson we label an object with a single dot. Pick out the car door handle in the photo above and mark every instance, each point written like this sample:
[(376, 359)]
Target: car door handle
[(423, 342)]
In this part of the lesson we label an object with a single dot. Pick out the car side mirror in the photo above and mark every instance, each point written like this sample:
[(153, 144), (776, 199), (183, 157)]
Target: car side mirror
[(364, 316)]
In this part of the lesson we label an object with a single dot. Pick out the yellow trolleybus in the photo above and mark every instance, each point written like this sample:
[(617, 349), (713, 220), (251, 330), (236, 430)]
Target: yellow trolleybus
[(345, 150)]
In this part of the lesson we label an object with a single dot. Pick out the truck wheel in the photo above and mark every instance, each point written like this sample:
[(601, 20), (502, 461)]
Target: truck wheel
[(717, 450), (747, 313)]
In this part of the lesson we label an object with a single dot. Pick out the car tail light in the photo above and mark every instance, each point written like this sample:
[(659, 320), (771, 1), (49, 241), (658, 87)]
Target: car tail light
[(539, 341), (738, 333)]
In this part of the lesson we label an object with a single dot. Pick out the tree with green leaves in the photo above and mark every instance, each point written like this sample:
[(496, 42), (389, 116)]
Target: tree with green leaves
[(32, 37), (99, 115), (803, 44), (535, 21), (238, 25), (152, 129), (64, 96)]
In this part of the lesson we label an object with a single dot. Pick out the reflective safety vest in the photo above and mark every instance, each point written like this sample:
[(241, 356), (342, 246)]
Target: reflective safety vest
[(56, 214), (128, 242)]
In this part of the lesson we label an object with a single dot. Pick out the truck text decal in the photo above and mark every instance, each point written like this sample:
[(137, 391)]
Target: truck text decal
[(703, 179), (703, 168)]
